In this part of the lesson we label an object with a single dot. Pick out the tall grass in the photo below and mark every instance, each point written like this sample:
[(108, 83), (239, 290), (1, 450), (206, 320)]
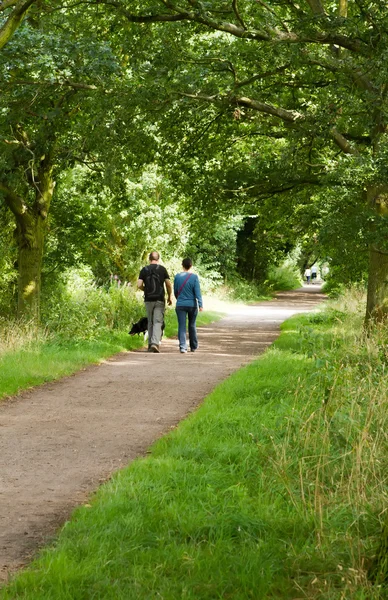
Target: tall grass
[(274, 488), (82, 324), (15, 335)]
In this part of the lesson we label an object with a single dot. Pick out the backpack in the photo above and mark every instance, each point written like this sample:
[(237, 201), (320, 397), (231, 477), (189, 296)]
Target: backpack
[(153, 286)]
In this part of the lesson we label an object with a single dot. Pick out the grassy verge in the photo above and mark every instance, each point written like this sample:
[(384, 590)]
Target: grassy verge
[(32, 359), (275, 488)]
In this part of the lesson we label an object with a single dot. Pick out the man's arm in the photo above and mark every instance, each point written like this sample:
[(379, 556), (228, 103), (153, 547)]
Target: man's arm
[(169, 291), (140, 284)]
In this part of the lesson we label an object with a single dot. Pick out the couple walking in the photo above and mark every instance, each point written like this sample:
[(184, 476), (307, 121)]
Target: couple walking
[(187, 292)]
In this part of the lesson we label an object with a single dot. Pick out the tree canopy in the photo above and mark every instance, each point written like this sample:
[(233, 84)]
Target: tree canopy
[(275, 111)]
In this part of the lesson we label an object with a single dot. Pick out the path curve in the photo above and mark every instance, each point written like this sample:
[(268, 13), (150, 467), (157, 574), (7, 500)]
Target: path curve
[(58, 442)]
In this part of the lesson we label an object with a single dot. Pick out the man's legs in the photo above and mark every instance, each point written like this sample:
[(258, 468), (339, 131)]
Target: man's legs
[(149, 306), (155, 314), (192, 314)]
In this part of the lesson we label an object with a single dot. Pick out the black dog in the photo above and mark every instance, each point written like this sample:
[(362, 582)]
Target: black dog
[(141, 327)]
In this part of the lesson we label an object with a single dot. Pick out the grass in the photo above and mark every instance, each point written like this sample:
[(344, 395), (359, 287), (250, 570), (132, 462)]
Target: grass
[(275, 488), (31, 357)]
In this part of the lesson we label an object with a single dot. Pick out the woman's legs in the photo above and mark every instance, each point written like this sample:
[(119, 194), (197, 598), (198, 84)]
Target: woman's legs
[(181, 313), (192, 314)]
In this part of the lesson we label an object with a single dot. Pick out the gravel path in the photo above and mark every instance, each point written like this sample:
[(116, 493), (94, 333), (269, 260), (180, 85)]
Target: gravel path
[(59, 441)]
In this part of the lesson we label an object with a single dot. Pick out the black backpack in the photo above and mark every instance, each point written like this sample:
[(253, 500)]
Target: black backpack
[(153, 286)]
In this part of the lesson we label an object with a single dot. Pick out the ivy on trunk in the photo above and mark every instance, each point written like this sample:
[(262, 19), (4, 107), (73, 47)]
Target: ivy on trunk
[(30, 233)]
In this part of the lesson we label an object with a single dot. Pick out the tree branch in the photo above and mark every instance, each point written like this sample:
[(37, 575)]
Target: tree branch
[(269, 34), (268, 190), (343, 143), (14, 19), (286, 115), (236, 12), (6, 4), (283, 114), (72, 84), (13, 201), (261, 76), (316, 7), (273, 13)]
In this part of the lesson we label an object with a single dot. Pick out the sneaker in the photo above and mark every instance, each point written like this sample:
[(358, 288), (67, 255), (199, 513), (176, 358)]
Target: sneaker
[(154, 348), (193, 349), (183, 351)]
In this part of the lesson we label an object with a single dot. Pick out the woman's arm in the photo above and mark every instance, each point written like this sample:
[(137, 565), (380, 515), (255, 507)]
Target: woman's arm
[(197, 292)]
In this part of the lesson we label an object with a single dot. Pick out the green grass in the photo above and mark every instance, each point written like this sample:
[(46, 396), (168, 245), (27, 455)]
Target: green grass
[(274, 489), (35, 361)]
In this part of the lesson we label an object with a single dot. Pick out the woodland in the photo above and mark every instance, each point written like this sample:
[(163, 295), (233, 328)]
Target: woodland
[(236, 132), (245, 134)]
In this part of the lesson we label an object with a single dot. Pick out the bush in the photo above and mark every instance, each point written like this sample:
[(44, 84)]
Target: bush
[(237, 288), (78, 308), (286, 276)]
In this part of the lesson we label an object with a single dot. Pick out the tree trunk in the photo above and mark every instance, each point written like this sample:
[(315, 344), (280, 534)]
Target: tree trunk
[(377, 300), (30, 237), (30, 234)]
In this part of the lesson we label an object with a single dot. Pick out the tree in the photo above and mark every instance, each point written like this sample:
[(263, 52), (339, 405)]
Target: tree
[(315, 76), (45, 118), (68, 98)]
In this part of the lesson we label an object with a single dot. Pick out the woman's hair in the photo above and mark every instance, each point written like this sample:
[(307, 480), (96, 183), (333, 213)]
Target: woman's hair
[(187, 263)]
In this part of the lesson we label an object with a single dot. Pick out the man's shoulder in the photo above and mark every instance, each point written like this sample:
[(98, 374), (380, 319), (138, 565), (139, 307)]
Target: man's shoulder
[(164, 271), (160, 269), (143, 272)]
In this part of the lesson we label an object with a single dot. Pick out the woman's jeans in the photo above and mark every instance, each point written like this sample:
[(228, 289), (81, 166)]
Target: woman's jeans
[(191, 312)]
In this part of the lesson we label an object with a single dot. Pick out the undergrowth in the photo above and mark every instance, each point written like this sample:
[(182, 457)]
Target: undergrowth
[(275, 488)]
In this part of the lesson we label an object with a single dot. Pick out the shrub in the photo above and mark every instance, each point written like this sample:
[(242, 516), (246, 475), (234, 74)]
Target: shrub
[(286, 276), (78, 308)]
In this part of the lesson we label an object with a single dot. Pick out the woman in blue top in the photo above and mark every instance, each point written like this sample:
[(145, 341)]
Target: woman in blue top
[(188, 301)]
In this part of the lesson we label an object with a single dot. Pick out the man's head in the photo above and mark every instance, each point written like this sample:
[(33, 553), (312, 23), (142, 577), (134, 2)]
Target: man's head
[(187, 263), (153, 256)]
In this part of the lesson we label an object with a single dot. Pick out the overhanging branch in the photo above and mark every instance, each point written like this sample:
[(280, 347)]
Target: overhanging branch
[(283, 114), (264, 190), (73, 84), (268, 34), (343, 143), (13, 201), (14, 19)]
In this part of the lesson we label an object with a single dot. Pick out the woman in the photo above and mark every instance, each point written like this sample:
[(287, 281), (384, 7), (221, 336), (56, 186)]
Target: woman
[(188, 300)]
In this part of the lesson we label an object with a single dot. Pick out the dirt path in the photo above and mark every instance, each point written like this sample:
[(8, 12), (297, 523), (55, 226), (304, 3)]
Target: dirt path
[(60, 441)]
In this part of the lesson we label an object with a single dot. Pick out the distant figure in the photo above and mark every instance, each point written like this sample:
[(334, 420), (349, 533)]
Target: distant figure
[(307, 274), (152, 280), (188, 301), (314, 273)]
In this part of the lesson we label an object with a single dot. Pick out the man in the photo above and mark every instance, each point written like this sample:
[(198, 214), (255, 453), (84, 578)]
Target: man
[(152, 280)]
